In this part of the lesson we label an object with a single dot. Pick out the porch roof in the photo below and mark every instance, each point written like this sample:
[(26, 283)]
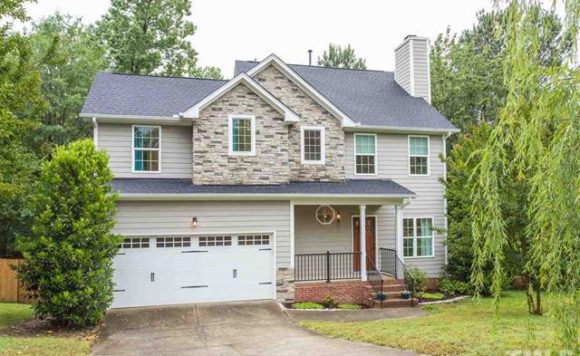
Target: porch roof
[(183, 188)]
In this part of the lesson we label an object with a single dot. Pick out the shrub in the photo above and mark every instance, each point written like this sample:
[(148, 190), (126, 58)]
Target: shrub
[(68, 256), (329, 302), (306, 305), (431, 296), (452, 287), (416, 279), (349, 306)]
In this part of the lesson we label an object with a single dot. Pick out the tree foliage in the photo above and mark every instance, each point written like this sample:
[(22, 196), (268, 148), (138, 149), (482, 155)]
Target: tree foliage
[(535, 143), (151, 37), (68, 257), (338, 57), (68, 56), (467, 69)]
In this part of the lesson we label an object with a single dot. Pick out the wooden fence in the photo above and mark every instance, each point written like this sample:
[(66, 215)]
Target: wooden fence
[(11, 289)]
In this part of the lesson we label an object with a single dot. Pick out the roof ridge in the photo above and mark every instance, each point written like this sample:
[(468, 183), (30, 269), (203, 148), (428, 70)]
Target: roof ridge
[(161, 76), (325, 67)]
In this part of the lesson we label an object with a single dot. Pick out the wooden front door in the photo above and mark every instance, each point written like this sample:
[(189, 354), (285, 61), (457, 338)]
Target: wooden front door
[(370, 241)]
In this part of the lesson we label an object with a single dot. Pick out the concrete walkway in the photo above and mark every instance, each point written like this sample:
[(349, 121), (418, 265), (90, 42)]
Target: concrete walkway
[(253, 328)]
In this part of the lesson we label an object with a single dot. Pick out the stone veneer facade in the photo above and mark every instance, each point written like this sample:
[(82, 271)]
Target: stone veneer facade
[(311, 114), (212, 163)]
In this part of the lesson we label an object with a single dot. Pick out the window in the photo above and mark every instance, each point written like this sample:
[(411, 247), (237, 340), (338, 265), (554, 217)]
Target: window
[(173, 242), (242, 135), (365, 153), (418, 155), (418, 237), (215, 241), (247, 240), (312, 145), (146, 148), (325, 214), (135, 242)]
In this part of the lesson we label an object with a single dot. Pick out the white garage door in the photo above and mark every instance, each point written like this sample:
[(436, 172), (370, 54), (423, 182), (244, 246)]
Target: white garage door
[(187, 269)]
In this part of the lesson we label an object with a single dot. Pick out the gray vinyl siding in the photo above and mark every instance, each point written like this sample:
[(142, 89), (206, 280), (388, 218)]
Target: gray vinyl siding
[(174, 218), (402, 67), (421, 68), (176, 151), (393, 163)]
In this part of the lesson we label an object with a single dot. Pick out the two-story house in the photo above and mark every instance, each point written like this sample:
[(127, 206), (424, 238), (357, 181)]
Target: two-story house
[(255, 187)]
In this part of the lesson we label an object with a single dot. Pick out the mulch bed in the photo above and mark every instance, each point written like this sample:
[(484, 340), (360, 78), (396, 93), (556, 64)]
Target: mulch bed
[(37, 327)]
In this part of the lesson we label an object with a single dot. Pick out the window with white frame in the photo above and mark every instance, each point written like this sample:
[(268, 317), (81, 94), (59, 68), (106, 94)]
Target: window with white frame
[(135, 242), (418, 237), (418, 155), (242, 135), (365, 152), (146, 147), (312, 145)]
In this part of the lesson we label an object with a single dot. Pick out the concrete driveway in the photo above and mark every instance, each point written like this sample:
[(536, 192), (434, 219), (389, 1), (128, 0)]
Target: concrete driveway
[(250, 328)]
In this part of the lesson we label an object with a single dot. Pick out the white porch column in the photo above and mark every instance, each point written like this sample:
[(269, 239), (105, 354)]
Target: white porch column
[(363, 241), (399, 230)]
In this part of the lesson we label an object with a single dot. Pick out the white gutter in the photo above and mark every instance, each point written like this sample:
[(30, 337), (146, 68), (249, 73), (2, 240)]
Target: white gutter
[(395, 129), (257, 196), (95, 132), (445, 222)]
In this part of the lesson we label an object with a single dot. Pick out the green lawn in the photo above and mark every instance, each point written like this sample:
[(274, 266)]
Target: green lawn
[(35, 344), (466, 327)]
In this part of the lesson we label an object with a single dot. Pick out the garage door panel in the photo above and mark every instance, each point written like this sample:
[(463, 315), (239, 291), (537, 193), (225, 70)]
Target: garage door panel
[(188, 270)]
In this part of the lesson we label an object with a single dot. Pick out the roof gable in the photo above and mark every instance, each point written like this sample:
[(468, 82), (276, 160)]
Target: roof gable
[(243, 78)]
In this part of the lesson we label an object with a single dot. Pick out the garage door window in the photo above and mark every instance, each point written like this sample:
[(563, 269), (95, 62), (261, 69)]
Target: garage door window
[(215, 241), (173, 242), (253, 240), (135, 242)]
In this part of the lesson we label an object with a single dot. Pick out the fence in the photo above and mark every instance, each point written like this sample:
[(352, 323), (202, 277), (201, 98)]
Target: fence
[(11, 289), (326, 266)]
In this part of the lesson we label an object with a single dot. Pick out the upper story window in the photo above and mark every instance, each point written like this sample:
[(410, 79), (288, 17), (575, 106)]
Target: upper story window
[(418, 237), (146, 149), (242, 135), (365, 153), (419, 155), (312, 139)]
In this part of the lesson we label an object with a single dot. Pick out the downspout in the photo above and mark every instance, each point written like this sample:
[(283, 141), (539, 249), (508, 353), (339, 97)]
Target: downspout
[(95, 132), (445, 223)]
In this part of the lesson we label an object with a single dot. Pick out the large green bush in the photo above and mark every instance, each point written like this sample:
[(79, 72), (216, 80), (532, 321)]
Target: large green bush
[(416, 279), (68, 257)]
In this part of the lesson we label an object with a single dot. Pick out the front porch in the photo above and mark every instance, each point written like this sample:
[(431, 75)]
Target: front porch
[(334, 254)]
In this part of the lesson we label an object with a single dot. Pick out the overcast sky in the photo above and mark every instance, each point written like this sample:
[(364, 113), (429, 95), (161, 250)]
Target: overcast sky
[(252, 29)]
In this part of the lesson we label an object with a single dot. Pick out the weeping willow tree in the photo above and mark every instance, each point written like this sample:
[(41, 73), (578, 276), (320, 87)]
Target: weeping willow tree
[(536, 145)]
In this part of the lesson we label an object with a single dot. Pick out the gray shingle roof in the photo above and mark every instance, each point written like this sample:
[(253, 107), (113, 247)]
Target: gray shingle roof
[(127, 94), (144, 186), (370, 97)]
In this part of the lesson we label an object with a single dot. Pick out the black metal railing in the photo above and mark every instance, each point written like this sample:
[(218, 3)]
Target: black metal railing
[(388, 261), (326, 266), (375, 279)]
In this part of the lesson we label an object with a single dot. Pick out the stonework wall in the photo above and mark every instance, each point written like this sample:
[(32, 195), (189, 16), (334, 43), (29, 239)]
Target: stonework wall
[(311, 114), (212, 163), (355, 292), (285, 284)]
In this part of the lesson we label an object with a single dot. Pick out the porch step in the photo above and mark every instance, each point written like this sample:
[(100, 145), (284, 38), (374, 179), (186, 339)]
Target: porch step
[(389, 288)]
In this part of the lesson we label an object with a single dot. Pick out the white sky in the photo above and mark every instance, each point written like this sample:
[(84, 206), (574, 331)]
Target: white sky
[(252, 29)]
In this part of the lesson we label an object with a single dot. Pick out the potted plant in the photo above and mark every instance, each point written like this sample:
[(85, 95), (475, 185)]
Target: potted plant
[(406, 295)]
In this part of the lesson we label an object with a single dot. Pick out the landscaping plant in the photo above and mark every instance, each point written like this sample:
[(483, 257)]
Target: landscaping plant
[(416, 279), (307, 305), (69, 254), (349, 306), (329, 302)]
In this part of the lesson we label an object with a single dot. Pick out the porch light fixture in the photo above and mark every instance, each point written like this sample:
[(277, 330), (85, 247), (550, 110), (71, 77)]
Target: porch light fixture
[(325, 214), (194, 222), (338, 217)]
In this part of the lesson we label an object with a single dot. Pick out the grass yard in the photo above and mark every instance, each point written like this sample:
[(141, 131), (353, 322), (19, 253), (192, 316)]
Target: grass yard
[(466, 327), (29, 341)]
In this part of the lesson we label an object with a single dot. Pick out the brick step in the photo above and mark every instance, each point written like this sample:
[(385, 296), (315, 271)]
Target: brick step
[(389, 288)]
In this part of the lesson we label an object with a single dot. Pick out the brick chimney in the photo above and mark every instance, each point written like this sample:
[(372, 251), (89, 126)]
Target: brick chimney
[(412, 66)]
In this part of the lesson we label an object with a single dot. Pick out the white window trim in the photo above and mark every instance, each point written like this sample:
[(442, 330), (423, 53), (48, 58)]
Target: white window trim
[(231, 151), (333, 215), (322, 145), (375, 154), (133, 150), (428, 156), (414, 238)]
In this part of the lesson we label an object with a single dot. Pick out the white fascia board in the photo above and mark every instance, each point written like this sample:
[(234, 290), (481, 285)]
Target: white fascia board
[(346, 121), (137, 119), (336, 198), (406, 130), (289, 115)]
